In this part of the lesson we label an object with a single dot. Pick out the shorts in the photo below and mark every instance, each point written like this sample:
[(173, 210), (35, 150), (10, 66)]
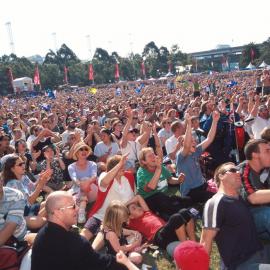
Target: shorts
[(31, 210), (93, 225)]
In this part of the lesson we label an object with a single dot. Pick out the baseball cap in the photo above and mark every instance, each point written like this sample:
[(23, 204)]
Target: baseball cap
[(190, 255)]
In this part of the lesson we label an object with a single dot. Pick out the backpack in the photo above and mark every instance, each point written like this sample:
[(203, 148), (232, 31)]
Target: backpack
[(11, 256)]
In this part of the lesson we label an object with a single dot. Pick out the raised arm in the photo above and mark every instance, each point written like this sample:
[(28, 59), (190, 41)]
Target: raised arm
[(212, 133), (123, 142), (188, 137), (108, 178)]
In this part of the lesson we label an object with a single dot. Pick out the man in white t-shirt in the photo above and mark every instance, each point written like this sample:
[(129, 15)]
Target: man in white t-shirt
[(174, 143), (261, 121), (71, 127)]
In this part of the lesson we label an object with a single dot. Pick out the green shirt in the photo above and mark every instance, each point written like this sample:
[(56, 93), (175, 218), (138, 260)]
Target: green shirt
[(144, 177)]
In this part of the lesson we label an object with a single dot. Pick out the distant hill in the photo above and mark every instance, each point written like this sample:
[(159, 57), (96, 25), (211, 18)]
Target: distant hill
[(36, 58)]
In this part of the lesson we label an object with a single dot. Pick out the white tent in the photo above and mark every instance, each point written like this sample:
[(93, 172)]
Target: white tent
[(163, 78), (151, 79), (23, 84), (263, 65), (250, 66), (169, 74)]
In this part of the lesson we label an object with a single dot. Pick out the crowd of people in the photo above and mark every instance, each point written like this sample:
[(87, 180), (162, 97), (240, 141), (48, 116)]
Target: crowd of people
[(109, 160)]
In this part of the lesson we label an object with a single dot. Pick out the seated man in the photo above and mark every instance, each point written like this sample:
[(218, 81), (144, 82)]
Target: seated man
[(187, 162), (256, 183), (228, 221), (155, 229), (12, 222), (56, 247), (152, 183)]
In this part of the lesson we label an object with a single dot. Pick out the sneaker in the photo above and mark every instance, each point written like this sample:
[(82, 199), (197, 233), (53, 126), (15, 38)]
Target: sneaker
[(81, 216)]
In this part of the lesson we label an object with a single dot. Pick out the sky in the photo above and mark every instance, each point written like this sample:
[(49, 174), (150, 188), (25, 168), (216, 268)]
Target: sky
[(126, 26)]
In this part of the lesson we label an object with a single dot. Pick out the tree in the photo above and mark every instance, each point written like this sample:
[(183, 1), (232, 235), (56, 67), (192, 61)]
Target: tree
[(265, 51), (151, 55), (246, 57)]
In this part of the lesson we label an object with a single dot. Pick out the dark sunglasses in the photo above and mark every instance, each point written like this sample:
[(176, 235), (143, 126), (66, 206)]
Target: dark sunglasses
[(168, 123), (21, 164), (135, 118), (83, 149), (231, 170)]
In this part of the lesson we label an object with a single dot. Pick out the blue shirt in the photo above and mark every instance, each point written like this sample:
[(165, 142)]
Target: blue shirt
[(190, 166)]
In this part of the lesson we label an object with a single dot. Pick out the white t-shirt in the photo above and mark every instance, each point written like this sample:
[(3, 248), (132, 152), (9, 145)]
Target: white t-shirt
[(133, 148), (118, 191), (170, 145), (258, 125), (29, 141), (101, 149), (165, 134)]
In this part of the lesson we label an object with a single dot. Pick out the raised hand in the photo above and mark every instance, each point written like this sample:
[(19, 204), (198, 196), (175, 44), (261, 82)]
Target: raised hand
[(215, 116)]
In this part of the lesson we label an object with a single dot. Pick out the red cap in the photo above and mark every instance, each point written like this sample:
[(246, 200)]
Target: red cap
[(190, 255)]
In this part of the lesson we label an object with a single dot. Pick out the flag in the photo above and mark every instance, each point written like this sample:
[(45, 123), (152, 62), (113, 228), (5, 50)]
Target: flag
[(91, 73), (65, 75), (143, 68), (170, 67), (116, 73), (92, 90), (36, 76), (252, 54), (10, 78)]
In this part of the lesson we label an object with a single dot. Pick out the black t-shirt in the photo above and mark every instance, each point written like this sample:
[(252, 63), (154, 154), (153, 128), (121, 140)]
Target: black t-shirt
[(236, 238), (57, 249)]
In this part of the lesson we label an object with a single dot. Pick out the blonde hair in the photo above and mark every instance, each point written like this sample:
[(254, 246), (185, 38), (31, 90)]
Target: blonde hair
[(116, 214), (143, 153)]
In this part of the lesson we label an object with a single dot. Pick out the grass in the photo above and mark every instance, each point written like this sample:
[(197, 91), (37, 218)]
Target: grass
[(164, 261)]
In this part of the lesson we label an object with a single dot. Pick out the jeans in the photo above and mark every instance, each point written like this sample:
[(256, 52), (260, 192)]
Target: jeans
[(259, 261), (261, 215)]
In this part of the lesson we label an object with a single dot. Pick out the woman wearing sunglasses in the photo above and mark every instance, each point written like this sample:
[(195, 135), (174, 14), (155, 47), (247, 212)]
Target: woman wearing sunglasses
[(84, 176), (13, 175)]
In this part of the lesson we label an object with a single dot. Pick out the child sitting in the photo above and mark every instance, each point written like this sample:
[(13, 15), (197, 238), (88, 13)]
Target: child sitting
[(117, 238)]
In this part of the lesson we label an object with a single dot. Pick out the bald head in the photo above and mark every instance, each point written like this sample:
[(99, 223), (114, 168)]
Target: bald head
[(57, 200)]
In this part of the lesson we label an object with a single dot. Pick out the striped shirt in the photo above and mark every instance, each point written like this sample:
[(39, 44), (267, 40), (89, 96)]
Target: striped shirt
[(236, 236), (11, 211)]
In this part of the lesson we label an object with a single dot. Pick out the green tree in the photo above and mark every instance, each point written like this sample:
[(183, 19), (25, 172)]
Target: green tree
[(245, 58), (151, 55), (265, 51)]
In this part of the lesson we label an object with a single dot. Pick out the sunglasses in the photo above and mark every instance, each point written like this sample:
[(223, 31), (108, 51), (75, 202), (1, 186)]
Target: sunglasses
[(73, 206), (21, 164), (231, 170), (168, 123), (135, 118), (83, 149)]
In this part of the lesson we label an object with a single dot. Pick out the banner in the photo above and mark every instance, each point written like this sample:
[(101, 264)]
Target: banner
[(91, 73), (252, 54), (116, 73), (143, 69), (65, 75), (36, 76), (10, 78)]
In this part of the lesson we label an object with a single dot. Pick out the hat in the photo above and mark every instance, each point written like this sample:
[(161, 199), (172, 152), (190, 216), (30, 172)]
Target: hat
[(70, 120), (78, 146), (105, 130), (33, 119), (190, 255)]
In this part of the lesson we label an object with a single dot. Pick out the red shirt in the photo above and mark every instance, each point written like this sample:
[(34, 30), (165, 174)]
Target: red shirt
[(148, 224)]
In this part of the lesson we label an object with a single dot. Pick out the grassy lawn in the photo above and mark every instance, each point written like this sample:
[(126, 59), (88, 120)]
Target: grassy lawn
[(165, 262)]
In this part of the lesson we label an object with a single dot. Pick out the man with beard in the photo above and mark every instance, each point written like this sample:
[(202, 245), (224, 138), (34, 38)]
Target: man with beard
[(71, 127)]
